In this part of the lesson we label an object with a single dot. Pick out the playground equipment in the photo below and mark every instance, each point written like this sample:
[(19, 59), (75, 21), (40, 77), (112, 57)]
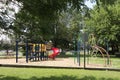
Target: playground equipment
[(95, 49), (55, 53), (40, 50), (90, 50), (104, 54), (37, 51)]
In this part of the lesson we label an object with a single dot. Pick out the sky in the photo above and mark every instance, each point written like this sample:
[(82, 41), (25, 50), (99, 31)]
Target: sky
[(89, 4)]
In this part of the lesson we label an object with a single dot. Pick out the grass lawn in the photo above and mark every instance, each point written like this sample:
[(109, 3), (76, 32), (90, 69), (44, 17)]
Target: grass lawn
[(56, 74)]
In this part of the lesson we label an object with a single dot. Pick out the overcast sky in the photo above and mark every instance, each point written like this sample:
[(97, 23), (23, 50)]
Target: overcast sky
[(89, 4)]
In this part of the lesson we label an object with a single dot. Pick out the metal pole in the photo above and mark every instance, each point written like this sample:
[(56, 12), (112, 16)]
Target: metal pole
[(26, 51), (74, 44), (84, 51), (78, 51), (88, 55), (108, 51), (16, 51)]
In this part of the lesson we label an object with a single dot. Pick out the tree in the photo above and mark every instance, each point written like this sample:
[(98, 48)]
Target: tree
[(37, 19), (40, 18), (8, 9), (104, 23)]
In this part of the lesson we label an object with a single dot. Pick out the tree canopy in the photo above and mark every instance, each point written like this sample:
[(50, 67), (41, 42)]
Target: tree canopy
[(104, 23), (42, 20), (37, 20)]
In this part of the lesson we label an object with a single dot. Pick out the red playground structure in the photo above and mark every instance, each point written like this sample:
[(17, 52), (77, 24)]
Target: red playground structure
[(56, 51)]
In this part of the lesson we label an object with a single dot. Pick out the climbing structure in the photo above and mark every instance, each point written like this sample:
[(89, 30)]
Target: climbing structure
[(95, 49)]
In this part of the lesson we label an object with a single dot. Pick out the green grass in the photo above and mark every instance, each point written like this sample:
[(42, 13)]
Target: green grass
[(56, 74)]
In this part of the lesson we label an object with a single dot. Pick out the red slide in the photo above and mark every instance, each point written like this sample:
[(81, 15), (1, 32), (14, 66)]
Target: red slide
[(55, 53)]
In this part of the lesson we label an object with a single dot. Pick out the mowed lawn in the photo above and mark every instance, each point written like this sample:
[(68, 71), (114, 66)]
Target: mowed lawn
[(56, 74)]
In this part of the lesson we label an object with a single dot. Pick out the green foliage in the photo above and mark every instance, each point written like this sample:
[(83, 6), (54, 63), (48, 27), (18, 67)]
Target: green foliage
[(41, 18), (38, 19), (69, 25), (104, 23), (105, 2)]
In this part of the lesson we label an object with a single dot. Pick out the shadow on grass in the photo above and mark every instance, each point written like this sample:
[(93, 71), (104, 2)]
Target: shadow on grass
[(64, 77)]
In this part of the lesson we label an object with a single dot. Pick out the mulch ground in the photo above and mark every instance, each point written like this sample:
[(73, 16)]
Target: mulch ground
[(58, 62), (65, 62)]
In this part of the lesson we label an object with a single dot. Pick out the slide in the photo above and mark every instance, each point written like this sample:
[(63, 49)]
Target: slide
[(55, 52)]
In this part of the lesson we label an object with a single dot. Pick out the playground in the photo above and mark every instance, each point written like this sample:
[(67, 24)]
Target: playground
[(45, 55), (59, 40), (69, 61)]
